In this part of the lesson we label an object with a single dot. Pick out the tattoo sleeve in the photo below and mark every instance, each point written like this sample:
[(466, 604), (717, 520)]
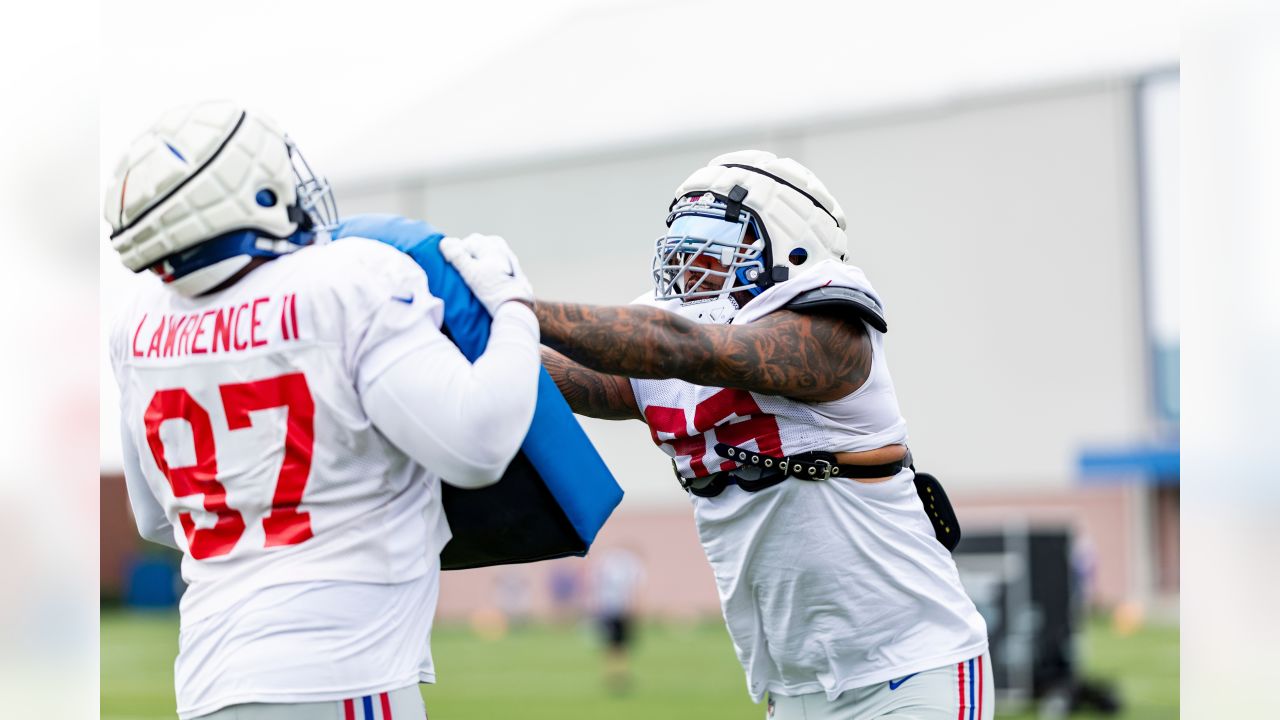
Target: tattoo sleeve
[(591, 393), (807, 357)]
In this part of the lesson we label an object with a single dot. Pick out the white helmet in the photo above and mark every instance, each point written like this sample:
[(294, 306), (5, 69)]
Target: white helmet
[(208, 188), (795, 221)]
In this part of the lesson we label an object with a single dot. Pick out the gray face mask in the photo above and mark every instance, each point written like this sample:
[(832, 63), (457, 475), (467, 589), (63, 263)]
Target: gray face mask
[(315, 196), (699, 232)]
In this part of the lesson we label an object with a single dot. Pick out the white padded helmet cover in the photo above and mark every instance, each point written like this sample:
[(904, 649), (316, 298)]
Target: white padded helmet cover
[(790, 219), (194, 176)]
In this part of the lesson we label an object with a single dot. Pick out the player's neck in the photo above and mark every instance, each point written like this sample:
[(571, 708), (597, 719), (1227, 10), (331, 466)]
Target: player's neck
[(254, 263)]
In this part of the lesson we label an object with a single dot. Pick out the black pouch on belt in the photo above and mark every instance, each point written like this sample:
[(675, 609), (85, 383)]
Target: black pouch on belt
[(938, 507)]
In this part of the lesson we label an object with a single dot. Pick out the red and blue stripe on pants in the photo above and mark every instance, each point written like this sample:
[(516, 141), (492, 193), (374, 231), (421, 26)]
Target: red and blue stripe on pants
[(366, 704), (972, 685)]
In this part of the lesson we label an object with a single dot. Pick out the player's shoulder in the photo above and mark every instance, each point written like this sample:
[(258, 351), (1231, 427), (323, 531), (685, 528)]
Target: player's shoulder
[(148, 295), (352, 276), (831, 272), (355, 263), (148, 298), (830, 284), (357, 254)]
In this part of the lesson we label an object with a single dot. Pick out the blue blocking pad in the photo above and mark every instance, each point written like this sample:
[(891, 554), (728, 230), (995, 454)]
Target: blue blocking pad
[(557, 493)]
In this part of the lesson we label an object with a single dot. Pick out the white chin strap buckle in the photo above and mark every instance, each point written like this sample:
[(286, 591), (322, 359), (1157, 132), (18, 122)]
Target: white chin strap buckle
[(716, 311)]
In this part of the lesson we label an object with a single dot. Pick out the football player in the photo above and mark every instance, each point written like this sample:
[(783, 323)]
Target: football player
[(288, 409), (758, 363)]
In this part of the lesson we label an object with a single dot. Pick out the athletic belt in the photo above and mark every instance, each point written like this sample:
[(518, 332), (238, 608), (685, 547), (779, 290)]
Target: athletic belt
[(814, 465), (767, 471)]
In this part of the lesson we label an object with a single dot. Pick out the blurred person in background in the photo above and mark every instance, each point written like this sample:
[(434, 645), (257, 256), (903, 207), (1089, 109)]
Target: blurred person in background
[(615, 579), (278, 427), (758, 364), (564, 584), (511, 589)]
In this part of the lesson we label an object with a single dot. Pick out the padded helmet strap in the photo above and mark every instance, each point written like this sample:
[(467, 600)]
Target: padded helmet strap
[(733, 203), (240, 242)]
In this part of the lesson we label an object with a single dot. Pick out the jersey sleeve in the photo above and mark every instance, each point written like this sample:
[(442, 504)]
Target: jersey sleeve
[(118, 340), (464, 421), (148, 513)]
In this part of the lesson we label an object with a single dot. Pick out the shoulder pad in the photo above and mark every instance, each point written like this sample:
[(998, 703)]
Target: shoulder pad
[(841, 301)]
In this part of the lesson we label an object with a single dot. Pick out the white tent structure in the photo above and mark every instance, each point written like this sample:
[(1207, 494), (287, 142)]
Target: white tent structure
[(566, 128), (638, 74)]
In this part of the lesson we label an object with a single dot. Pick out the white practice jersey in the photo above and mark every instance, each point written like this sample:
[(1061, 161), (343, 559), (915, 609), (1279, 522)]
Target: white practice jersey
[(310, 542), (827, 585)]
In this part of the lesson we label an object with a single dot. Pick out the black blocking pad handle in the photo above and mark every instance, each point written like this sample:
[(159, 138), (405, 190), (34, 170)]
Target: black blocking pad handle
[(515, 520)]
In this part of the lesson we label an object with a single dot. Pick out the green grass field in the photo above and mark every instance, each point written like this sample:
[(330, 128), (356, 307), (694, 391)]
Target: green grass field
[(681, 673)]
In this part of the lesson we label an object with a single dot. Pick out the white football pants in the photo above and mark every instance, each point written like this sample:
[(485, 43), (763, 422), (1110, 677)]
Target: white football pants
[(402, 704), (961, 691)]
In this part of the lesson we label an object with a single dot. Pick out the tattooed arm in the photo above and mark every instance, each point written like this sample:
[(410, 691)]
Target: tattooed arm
[(589, 392), (806, 357)]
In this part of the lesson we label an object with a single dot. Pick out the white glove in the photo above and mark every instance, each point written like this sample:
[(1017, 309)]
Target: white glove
[(489, 268)]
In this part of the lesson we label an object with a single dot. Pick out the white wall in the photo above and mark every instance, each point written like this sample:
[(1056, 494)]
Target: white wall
[(1001, 233), (1004, 238)]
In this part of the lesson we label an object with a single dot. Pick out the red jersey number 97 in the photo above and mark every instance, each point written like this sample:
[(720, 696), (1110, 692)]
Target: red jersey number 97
[(285, 524)]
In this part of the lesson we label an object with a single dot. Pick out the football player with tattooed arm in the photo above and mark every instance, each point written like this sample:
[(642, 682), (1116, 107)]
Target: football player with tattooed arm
[(758, 364)]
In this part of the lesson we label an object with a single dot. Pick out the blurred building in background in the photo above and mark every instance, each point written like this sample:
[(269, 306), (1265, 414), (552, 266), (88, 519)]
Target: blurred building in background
[(1023, 234)]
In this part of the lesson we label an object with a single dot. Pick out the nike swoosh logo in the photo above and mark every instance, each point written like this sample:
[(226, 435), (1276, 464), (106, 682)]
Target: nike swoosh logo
[(895, 684), (406, 300), (511, 269)]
